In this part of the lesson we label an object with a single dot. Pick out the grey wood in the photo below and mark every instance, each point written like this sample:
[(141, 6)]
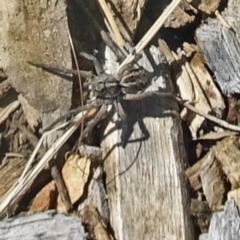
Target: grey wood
[(46, 225), (147, 190), (225, 225), (221, 48)]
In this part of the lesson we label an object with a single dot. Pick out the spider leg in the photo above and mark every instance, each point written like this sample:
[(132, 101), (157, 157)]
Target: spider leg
[(142, 95), (91, 124), (120, 111), (60, 70), (97, 64), (124, 122), (72, 113), (129, 65)]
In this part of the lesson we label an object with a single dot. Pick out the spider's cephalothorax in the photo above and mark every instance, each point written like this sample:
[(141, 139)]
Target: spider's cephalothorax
[(130, 80)]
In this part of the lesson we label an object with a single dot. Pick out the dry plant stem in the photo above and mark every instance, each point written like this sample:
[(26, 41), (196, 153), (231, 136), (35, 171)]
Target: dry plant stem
[(79, 76), (22, 184), (38, 146), (222, 20), (56, 175), (209, 117), (150, 33), (112, 23), (62, 188), (8, 110)]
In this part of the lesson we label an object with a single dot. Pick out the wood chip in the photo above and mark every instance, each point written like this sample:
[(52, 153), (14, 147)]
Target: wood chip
[(212, 179), (228, 153), (96, 227), (45, 199), (75, 174)]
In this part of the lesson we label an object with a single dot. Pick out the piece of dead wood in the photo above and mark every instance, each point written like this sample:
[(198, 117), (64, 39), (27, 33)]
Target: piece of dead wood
[(212, 118), (97, 195), (150, 167), (210, 90), (75, 173), (188, 86), (225, 224), (233, 110), (96, 227), (45, 199), (191, 90), (23, 182), (10, 170), (46, 225), (182, 16), (227, 152), (202, 213), (63, 191), (183, 81), (222, 49), (217, 135), (116, 33), (212, 179), (205, 6), (193, 173), (6, 111), (234, 195)]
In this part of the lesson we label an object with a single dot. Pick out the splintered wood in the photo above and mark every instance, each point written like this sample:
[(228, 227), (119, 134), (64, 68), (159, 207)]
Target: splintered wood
[(148, 170), (50, 224), (136, 182), (222, 49), (225, 224), (213, 171)]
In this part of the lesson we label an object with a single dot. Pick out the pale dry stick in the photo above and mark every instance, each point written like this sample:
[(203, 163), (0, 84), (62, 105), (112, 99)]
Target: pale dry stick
[(11, 155), (35, 151), (187, 75), (150, 33), (8, 110), (222, 20), (20, 187), (209, 117), (79, 76), (31, 159), (112, 23)]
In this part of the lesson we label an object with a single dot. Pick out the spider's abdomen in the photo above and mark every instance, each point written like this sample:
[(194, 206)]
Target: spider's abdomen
[(137, 80)]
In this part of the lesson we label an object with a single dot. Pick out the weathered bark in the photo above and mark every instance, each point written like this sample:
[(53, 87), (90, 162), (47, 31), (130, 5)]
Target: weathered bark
[(47, 225), (225, 225), (146, 186), (221, 48)]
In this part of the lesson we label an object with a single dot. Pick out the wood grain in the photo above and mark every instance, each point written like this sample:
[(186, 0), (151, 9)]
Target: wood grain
[(146, 186)]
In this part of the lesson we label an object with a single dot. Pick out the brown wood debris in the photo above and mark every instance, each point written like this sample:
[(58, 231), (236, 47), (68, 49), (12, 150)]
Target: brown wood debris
[(138, 165)]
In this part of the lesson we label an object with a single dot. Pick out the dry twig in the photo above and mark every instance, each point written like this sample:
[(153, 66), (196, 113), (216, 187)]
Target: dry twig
[(150, 33), (24, 181), (112, 23)]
